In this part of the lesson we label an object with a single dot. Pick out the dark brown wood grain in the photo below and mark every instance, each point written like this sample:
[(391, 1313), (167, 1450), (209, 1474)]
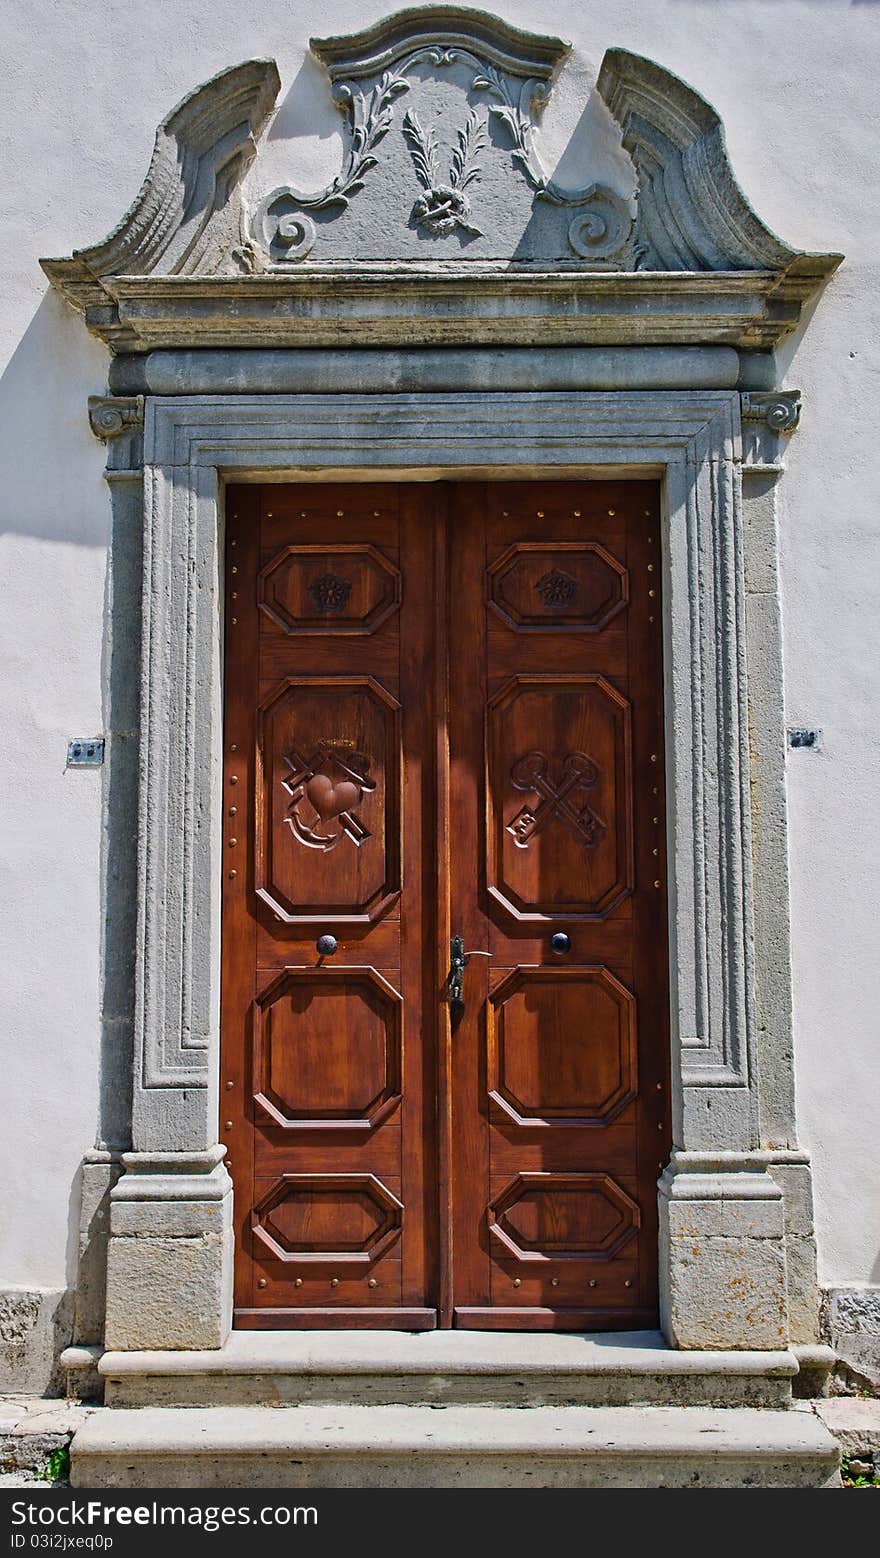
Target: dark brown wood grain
[(444, 717)]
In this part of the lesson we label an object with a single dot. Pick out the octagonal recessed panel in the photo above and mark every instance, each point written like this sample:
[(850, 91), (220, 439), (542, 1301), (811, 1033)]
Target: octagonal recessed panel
[(349, 1219), (328, 801), (562, 1047), (335, 589), (559, 804), (557, 586), (541, 1217), (327, 1049)]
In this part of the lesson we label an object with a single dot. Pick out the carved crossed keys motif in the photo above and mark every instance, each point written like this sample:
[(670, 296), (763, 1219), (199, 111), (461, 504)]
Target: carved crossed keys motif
[(331, 782), (533, 773)]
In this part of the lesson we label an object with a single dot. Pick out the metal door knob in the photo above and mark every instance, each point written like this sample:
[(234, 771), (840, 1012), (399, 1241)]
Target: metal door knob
[(326, 946), (560, 943)]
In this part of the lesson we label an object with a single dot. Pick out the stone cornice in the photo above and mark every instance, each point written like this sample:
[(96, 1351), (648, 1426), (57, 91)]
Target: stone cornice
[(402, 306)]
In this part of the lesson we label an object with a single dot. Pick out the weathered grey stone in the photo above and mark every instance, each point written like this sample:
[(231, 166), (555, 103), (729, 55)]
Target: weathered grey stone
[(463, 1446), (850, 1321), (317, 371), (100, 1171), (187, 215), (447, 1367), (35, 1327), (169, 1264), (692, 214), (855, 1423), (722, 1253)]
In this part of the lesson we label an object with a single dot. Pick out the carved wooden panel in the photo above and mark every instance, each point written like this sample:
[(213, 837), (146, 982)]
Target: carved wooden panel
[(350, 1219), (327, 1049), (336, 589), (541, 1217), (559, 805), (328, 800), (557, 586), (561, 1046)]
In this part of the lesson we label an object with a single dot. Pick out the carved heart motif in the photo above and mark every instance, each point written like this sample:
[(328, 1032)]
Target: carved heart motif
[(330, 799)]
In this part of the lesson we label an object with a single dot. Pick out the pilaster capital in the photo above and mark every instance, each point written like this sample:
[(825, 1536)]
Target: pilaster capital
[(111, 415)]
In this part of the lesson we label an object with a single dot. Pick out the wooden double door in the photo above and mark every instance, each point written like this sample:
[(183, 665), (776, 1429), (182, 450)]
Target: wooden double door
[(444, 1085)]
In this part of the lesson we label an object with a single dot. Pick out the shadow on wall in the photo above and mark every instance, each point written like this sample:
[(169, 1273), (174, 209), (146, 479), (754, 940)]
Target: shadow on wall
[(50, 463)]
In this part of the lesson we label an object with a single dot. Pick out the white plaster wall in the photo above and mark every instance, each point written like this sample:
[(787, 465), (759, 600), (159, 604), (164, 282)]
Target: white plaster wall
[(84, 85)]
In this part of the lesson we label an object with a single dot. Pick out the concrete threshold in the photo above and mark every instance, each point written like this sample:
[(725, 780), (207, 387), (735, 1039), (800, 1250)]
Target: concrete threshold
[(492, 1368), (457, 1446)]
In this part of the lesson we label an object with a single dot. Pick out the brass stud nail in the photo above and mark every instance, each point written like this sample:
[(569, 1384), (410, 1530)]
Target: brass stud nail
[(375, 516), (233, 842), (554, 1282), (655, 790), (651, 594), (235, 516), (298, 1283), (302, 513), (235, 622), (269, 514), (650, 567), (517, 1282), (234, 747), (628, 1282), (228, 1162), (234, 543), (373, 1282), (659, 1087), (334, 1282), (505, 513), (540, 513), (340, 513), (660, 1167), (659, 1125), (227, 1125), (263, 1282), (233, 778), (655, 820), (593, 1282), (657, 884), (650, 619), (233, 811), (233, 874), (233, 569), (653, 757), (235, 595), (647, 513), (611, 513), (653, 851), (577, 513), (229, 1086)]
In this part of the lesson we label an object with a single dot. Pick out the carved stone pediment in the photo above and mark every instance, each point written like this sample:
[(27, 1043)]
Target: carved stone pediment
[(441, 225), (441, 164)]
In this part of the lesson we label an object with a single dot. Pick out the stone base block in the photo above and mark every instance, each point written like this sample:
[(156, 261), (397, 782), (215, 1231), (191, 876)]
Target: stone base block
[(723, 1279), (169, 1263), (35, 1327)]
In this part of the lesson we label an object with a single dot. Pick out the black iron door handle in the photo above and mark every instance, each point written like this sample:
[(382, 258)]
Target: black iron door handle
[(458, 961)]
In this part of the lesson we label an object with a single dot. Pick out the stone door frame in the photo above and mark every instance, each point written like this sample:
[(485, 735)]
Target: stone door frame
[(723, 1228)]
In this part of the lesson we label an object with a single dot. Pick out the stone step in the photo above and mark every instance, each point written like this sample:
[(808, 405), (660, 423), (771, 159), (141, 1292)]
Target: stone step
[(374, 1368), (453, 1447)]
